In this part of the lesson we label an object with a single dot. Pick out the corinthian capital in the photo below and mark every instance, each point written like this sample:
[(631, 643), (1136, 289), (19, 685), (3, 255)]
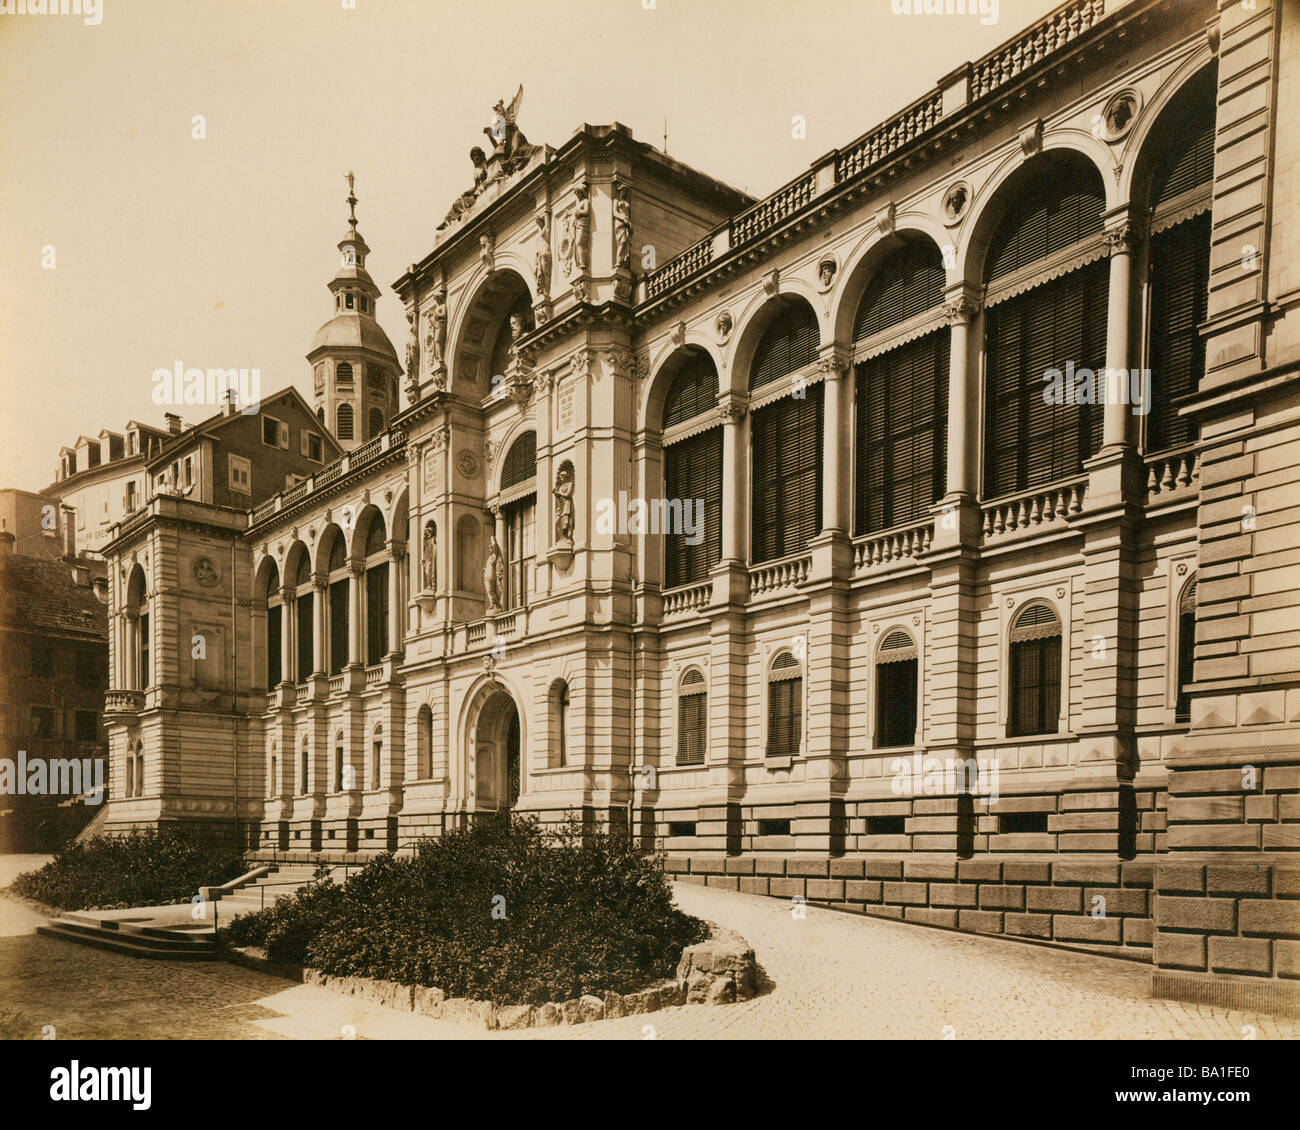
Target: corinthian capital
[(1122, 240), (960, 310)]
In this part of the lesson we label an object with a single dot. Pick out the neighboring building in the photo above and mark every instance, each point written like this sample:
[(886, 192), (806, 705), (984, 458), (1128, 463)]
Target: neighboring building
[(38, 523), (53, 675), (912, 551), (101, 481)]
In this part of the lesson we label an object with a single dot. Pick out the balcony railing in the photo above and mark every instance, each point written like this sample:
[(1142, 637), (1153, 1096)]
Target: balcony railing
[(376, 675), (1050, 34), (1034, 508), (1172, 472), (123, 702), (989, 74), (687, 598), (352, 461), (892, 545), (778, 575)]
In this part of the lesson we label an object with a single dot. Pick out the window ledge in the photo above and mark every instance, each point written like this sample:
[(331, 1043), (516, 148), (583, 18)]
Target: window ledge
[(778, 762)]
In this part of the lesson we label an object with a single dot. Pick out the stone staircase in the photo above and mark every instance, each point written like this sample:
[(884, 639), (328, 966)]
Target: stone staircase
[(171, 932)]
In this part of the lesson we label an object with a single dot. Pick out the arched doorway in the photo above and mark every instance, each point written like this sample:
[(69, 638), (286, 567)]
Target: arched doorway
[(498, 754)]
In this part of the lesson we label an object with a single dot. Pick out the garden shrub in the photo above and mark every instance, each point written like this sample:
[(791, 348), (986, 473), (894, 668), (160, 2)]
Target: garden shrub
[(145, 868), (499, 911)]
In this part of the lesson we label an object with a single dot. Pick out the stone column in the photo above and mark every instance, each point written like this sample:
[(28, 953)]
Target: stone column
[(395, 594), (1121, 241), (733, 412), (355, 573), (131, 666), (286, 636), (963, 395), (319, 619), (834, 494)]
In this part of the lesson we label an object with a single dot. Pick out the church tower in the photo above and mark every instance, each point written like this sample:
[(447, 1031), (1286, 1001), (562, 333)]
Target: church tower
[(354, 365)]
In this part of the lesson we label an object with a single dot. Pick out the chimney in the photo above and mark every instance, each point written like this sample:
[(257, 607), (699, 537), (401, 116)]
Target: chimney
[(69, 530), (173, 423), (229, 409)]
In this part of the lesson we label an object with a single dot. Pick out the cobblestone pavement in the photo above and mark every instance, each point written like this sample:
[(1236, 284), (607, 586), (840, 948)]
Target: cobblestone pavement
[(831, 975)]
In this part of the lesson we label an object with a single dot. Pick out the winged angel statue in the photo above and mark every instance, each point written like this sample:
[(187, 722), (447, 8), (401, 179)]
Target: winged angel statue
[(508, 141)]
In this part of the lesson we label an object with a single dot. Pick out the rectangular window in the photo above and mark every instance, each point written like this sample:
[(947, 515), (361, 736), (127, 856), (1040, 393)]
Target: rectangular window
[(1186, 665), (376, 613), (42, 660), (691, 729), (87, 726), (338, 626), (774, 827), (681, 827), (784, 717), (189, 470), (519, 551), (311, 445), (693, 479), (306, 658), (886, 825), (87, 667), (1035, 687), (896, 704), (275, 433), (901, 442), (130, 496), (1022, 823), (43, 722), (1180, 288), (1030, 439), (240, 474), (143, 630), (786, 446)]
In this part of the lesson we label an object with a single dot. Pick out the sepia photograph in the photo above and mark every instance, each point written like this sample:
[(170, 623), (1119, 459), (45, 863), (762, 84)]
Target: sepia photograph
[(713, 520)]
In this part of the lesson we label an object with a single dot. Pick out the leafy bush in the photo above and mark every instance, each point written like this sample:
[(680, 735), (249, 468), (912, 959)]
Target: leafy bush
[(146, 868), (497, 911)]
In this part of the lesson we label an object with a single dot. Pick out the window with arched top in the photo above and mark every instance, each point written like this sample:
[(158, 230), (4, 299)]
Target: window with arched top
[(345, 421), (1047, 281), (424, 743), (900, 445), (897, 670), (1178, 259), (784, 706), (339, 780), (272, 776), (786, 438), (275, 624), (518, 481), (376, 757), (374, 423), (1034, 705), (304, 598), (343, 373), (692, 718), (376, 576), (1186, 652), (692, 466), (338, 579)]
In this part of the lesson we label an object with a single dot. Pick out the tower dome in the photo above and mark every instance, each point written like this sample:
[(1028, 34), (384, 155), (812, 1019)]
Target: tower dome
[(354, 365)]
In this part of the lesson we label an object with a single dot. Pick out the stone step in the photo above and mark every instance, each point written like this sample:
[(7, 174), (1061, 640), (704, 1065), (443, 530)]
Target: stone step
[(130, 944)]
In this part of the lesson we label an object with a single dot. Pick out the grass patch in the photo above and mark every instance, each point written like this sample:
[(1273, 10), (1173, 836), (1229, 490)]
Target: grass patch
[(146, 868), (500, 911)]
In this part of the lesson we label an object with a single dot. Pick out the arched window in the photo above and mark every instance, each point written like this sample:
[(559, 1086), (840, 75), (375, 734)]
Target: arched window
[(1035, 653), (518, 482), (345, 421), (424, 743), (692, 718), (338, 762), (1186, 652), (1052, 320), (784, 706), (130, 772), (320, 415), (343, 373), (375, 423), (139, 768), (137, 611), (304, 599), (275, 601), (376, 591), (559, 724), (305, 779), (339, 579), (786, 439), (1179, 258), (272, 780), (376, 757), (692, 475), (902, 394), (896, 690)]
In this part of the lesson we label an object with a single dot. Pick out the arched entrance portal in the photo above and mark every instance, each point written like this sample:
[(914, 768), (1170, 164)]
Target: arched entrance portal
[(497, 754)]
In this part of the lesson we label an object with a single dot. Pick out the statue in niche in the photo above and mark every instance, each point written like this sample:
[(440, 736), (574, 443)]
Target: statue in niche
[(465, 201), (412, 346), (429, 558), (542, 258), (563, 494), (494, 576), (622, 226), (509, 145), (486, 252)]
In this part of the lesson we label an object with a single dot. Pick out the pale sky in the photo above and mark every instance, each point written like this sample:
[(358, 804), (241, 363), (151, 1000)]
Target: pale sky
[(216, 252)]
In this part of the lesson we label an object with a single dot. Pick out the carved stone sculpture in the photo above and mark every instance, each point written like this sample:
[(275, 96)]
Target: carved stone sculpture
[(412, 347), (494, 576), (563, 493), (622, 226), (509, 145), (435, 340), (542, 257), (465, 201), (429, 558)]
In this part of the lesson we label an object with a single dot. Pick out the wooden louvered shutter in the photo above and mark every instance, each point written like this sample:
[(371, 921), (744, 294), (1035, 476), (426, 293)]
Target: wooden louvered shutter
[(338, 626), (520, 462), (305, 658), (376, 613), (693, 391), (901, 440), (787, 460), (788, 344), (1180, 285), (273, 639), (693, 471), (692, 720)]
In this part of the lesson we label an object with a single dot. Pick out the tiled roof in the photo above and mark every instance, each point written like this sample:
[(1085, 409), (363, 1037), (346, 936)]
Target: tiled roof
[(43, 595)]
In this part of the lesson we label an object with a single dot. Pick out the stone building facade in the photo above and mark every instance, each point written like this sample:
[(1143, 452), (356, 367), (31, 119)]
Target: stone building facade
[(803, 538)]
